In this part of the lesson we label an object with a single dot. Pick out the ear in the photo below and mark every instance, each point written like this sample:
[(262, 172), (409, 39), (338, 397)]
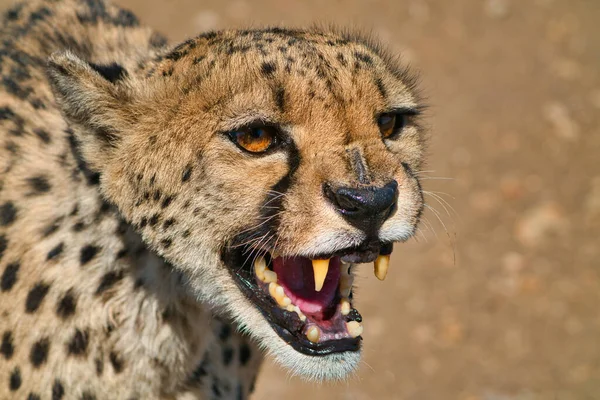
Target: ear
[(95, 101)]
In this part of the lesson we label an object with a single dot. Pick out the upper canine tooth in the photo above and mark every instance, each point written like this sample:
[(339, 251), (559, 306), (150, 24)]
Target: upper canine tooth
[(320, 268), (382, 264)]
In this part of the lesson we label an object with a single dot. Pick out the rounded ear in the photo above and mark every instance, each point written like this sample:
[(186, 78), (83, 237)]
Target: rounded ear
[(95, 101)]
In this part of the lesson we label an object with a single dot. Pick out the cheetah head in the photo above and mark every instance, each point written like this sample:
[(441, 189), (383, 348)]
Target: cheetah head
[(263, 165)]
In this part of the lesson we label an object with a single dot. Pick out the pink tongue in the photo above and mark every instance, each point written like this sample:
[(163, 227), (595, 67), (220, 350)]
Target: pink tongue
[(295, 275)]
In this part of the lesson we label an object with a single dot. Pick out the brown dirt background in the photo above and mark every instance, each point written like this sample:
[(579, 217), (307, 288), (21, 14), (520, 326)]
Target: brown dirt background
[(503, 302)]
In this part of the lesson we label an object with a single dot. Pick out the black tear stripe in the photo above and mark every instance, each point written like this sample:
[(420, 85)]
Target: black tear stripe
[(273, 203)]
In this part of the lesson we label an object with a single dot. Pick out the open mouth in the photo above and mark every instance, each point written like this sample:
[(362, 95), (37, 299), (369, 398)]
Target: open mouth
[(308, 301)]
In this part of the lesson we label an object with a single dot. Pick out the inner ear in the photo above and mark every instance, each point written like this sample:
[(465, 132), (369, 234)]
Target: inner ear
[(111, 72)]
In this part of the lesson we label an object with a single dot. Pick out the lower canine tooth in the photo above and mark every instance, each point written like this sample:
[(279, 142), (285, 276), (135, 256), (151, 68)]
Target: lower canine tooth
[(313, 334), (355, 329), (382, 264), (320, 268)]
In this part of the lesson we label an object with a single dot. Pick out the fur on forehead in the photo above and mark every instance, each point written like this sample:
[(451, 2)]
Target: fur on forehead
[(323, 56)]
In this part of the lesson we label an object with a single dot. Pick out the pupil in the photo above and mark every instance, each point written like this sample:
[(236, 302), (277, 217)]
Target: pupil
[(257, 133)]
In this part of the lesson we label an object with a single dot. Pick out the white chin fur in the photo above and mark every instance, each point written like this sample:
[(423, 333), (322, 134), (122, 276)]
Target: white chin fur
[(335, 366)]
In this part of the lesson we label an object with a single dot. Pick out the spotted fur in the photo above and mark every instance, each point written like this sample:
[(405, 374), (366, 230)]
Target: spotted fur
[(119, 192)]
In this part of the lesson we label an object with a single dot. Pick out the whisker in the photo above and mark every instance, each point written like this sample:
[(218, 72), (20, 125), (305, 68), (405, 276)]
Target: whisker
[(437, 214)]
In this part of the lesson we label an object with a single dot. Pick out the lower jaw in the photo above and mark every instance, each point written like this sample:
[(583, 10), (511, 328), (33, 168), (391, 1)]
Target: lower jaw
[(288, 325)]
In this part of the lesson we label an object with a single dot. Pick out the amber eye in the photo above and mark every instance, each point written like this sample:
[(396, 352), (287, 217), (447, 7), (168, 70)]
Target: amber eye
[(254, 139), (390, 123)]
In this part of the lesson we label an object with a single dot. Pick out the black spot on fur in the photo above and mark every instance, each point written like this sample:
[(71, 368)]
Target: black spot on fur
[(143, 222), (87, 253), (67, 305), (381, 87), (93, 178), (227, 355), (36, 296), (58, 390), (268, 68), (108, 280), (99, 366), (157, 40), (78, 344), (166, 243), (43, 135), (199, 372), (78, 227), (3, 245), (8, 213), (157, 195), (198, 59), (87, 395), (33, 396), (39, 184), (53, 227), (168, 223), (367, 59), (14, 13), (116, 362), (225, 332), (9, 276), (154, 219), (40, 14), (15, 89), (176, 55), (55, 252), (38, 104), (167, 201), (215, 389), (245, 354), (122, 253), (187, 173), (7, 348), (14, 382), (280, 98), (125, 18), (39, 352)]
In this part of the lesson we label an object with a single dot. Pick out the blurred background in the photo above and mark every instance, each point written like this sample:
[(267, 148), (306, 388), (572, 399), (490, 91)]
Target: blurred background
[(498, 297)]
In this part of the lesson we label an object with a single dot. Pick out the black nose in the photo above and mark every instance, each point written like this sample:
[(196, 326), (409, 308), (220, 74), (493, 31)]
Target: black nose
[(366, 208)]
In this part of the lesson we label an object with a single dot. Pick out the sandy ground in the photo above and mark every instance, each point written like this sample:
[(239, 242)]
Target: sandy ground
[(499, 300)]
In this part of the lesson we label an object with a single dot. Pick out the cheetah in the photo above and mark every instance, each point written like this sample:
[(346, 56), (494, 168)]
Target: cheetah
[(170, 213)]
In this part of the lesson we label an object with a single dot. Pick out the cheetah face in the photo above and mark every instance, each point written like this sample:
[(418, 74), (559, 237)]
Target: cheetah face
[(263, 165)]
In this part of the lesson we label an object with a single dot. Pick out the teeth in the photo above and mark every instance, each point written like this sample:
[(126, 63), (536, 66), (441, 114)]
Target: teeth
[(354, 328), (382, 264), (278, 294), (320, 268), (260, 266), (313, 334), (345, 307), (269, 276), (300, 313)]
